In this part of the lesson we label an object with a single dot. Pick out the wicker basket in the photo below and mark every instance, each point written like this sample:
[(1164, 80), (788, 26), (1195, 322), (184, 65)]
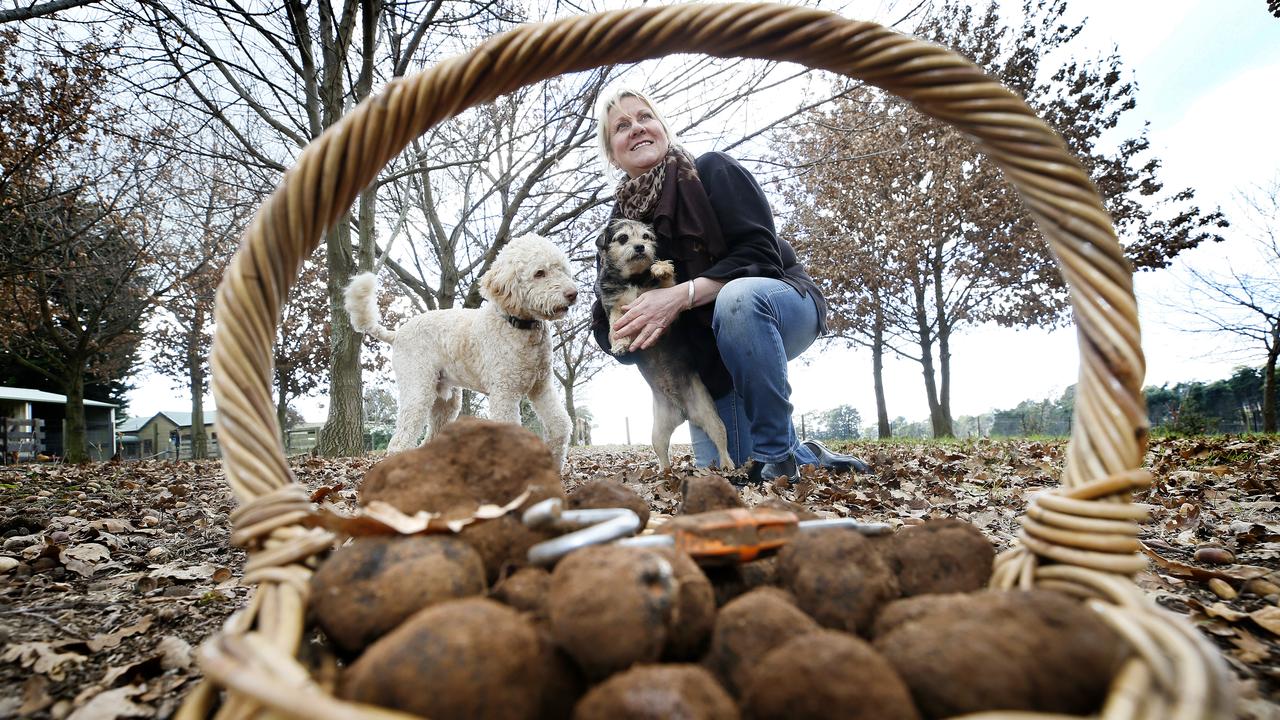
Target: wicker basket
[(1081, 538)]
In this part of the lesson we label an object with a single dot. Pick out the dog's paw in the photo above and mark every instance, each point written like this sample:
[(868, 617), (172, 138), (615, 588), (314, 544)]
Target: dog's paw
[(663, 270), (621, 346)]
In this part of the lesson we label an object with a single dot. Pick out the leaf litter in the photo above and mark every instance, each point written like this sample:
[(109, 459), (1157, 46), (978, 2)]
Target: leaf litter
[(111, 574)]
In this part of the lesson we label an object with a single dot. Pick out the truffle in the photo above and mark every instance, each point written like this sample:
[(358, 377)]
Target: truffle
[(525, 590), (470, 463), (611, 607), (731, 581), (695, 610), (826, 674), (366, 588), (1037, 651), (837, 577), (608, 493), (940, 556), (658, 692), (702, 493), (460, 659), (748, 628)]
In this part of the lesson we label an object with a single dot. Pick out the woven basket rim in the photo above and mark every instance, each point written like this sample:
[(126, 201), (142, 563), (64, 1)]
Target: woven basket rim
[(1081, 538)]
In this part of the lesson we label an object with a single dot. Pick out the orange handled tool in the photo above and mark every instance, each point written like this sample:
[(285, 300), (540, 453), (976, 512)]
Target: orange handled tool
[(740, 535), (711, 538)]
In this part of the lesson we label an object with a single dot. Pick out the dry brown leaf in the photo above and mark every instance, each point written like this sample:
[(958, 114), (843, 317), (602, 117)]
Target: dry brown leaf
[(42, 657), (35, 696), (179, 570), (1181, 569), (1222, 611), (113, 704), (175, 653), (107, 641), (111, 525), (86, 552), (1268, 617), (1249, 649), (380, 518)]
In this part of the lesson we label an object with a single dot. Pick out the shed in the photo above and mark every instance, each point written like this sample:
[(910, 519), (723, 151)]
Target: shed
[(24, 410), (167, 434)]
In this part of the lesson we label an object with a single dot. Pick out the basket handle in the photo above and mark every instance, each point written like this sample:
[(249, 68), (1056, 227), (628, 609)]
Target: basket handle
[(1109, 434)]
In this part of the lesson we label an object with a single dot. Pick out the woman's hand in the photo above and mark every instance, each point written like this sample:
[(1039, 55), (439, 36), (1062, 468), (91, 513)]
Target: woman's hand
[(646, 319)]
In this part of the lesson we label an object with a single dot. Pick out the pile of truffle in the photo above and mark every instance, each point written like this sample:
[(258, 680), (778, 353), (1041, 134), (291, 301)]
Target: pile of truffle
[(837, 625)]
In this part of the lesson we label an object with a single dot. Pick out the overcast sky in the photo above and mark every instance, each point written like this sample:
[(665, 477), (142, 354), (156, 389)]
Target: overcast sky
[(1206, 72)]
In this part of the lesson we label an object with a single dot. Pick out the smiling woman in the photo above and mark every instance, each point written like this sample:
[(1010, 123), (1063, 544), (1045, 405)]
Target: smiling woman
[(743, 305), (638, 138)]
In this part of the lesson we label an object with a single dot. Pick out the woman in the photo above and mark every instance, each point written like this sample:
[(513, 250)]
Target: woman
[(743, 301)]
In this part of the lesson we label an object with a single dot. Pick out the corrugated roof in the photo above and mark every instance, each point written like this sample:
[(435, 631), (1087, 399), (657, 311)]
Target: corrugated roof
[(132, 424), (28, 395), (183, 419)]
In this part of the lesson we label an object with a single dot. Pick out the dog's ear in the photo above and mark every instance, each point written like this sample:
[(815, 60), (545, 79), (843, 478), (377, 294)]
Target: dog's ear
[(497, 286), (605, 236)]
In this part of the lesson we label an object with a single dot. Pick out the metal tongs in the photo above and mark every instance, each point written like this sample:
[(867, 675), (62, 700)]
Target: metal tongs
[(717, 537)]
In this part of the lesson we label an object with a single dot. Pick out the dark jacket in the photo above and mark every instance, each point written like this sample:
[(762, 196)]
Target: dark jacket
[(753, 250)]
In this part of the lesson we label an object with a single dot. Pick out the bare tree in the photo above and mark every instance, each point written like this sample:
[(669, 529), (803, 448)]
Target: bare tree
[(1246, 303), (202, 216), (274, 78), (913, 202)]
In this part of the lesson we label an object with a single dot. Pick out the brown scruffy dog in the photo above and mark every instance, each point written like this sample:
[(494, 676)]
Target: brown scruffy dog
[(629, 266)]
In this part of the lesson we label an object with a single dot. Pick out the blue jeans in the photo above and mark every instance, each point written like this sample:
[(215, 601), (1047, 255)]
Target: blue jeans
[(759, 324)]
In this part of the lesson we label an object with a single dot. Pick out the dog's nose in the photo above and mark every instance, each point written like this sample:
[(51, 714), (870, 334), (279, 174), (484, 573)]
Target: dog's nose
[(571, 295), (639, 248)]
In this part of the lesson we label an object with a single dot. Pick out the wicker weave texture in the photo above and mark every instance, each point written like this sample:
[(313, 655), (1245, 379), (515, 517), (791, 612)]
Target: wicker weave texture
[(1081, 539)]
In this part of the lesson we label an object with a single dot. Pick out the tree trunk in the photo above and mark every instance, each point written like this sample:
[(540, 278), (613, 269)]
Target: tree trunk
[(1269, 384), (282, 405), (73, 440), (195, 367), (883, 429), (942, 426), (569, 405), (343, 431), (925, 340)]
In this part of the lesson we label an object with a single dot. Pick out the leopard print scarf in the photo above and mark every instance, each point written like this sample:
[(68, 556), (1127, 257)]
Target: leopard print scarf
[(637, 197)]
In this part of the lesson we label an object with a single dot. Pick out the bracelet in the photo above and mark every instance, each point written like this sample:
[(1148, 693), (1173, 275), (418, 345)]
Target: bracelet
[(691, 293)]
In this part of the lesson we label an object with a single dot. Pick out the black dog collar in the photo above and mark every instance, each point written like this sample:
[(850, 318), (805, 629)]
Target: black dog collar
[(521, 324)]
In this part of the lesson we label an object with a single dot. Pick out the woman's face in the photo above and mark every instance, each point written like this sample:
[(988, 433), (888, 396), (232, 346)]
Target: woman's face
[(637, 140)]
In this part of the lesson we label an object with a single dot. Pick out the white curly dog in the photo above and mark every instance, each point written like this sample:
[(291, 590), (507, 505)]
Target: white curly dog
[(502, 349)]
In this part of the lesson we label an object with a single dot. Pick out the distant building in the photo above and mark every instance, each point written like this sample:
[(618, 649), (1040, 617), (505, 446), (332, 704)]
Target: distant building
[(24, 411), (302, 438), (165, 435)]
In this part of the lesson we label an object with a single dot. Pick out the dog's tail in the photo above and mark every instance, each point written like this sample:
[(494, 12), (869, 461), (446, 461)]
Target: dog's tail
[(362, 307)]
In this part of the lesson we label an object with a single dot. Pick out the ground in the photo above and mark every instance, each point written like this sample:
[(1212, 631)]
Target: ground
[(117, 571)]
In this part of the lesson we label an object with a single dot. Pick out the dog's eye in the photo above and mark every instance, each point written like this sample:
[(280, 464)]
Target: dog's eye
[(540, 274)]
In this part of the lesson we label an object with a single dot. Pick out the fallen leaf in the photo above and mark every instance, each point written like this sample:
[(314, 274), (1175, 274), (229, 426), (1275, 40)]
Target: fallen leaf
[(380, 518), (179, 570), (175, 653), (35, 696), (1268, 617), (113, 704), (107, 641), (1222, 611), (111, 525), (86, 552), (1249, 649), (1181, 569), (42, 657)]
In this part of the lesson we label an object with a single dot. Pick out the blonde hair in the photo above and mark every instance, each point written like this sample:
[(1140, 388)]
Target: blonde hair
[(609, 102)]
